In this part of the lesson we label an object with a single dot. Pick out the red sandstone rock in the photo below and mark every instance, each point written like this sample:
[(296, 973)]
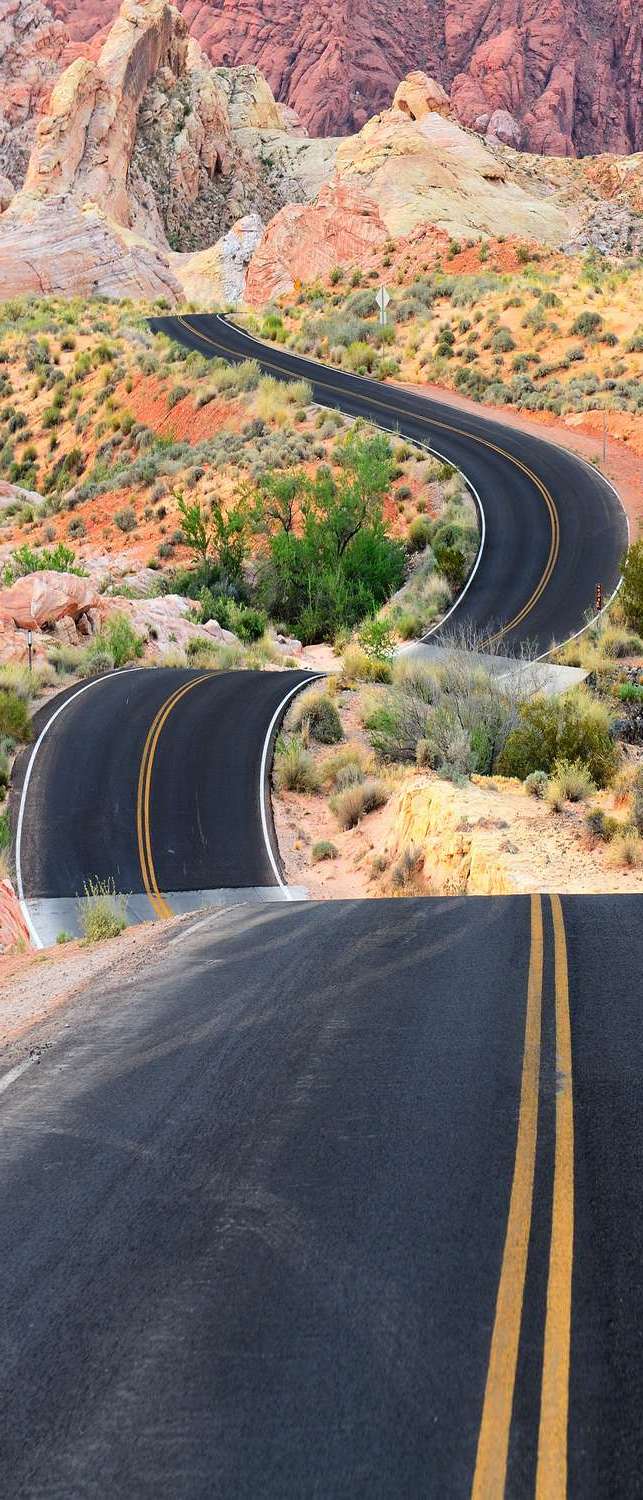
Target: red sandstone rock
[(570, 72), (42, 598), (306, 240)]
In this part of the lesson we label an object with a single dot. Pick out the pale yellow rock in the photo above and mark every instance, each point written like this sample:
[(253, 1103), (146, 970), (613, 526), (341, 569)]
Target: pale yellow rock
[(459, 856), (432, 171)]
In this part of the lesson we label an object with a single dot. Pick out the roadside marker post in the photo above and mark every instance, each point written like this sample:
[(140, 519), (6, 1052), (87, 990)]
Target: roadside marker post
[(30, 647), (383, 299), (598, 598)]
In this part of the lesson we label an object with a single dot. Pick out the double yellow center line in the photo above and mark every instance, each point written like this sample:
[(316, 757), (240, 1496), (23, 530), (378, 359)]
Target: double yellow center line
[(390, 408), (143, 833), (493, 1441)]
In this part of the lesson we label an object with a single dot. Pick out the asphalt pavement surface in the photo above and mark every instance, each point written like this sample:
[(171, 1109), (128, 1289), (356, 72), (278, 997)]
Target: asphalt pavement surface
[(554, 527), (257, 1203)]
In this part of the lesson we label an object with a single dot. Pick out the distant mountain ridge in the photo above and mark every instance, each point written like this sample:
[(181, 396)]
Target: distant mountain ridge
[(558, 77)]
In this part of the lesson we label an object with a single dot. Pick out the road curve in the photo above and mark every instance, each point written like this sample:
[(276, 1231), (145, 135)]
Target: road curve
[(554, 527), (150, 779), (281, 1205)]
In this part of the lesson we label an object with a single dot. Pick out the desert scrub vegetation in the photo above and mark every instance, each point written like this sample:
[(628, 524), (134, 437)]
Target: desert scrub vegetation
[(574, 727), (101, 911), (354, 801), (294, 768), (451, 717), (315, 714)]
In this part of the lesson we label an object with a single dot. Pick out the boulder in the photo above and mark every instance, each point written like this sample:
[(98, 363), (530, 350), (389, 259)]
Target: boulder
[(418, 95), (218, 275), (43, 598), (304, 241)]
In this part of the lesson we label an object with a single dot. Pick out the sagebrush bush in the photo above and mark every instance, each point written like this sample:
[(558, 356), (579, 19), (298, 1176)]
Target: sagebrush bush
[(357, 800), (101, 912), (318, 712), (294, 767), (323, 850), (119, 639)]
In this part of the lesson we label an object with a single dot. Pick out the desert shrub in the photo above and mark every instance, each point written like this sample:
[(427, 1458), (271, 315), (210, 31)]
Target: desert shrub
[(119, 639), (637, 802), (351, 759), (5, 841), (587, 324), (454, 718), (316, 710), (419, 534), (632, 590), (599, 826), (125, 519), (248, 623), (357, 800), (15, 722), (574, 780), (24, 560), (323, 850), (617, 643), (376, 639), (536, 783), (502, 341), (630, 692), (97, 659), (407, 868), (101, 911), (358, 666), (626, 849), (294, 767), (573, 728)]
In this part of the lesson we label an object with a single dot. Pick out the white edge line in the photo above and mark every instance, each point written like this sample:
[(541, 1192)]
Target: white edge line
[(547, 442), (10, 1077), (299, 686), (35, 935)]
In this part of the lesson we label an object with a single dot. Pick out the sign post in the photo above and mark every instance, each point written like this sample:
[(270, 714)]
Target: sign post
[(30, 646), (382, 300), (598, 598)]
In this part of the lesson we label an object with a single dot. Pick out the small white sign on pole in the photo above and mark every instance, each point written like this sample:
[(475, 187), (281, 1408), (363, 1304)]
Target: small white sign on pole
[(382, 300)]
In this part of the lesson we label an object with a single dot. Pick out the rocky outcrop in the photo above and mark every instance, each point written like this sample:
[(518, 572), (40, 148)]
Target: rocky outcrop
[(568, 72), (32, 45), (217, 276), (146, 150), (43, 598), (14, 933), (305, 241)]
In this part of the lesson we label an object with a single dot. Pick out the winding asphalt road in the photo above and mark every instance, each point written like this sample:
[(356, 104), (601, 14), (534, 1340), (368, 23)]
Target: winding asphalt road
[(334, 1200), (154, 780), (554, 527)]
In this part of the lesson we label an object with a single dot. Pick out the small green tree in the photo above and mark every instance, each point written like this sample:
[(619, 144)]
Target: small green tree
[(195, 527), (632, 592)]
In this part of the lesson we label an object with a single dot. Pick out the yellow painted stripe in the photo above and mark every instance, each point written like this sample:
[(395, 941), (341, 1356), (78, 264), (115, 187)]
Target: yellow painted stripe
[(554, 545), (551, 1474), (143, 831), (493, 1439)]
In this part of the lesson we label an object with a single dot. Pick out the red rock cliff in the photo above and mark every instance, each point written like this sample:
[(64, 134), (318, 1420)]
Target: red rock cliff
[(555, 76)]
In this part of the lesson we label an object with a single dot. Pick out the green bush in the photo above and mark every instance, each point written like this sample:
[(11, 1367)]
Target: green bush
[(358, 666), (318, 712), (357, 800), (632, 590), (419, 534), (587, 324), (573, 728), (25, 560), (573, 779), (119, 640), (294, 767), (15, 722), (101, 912)]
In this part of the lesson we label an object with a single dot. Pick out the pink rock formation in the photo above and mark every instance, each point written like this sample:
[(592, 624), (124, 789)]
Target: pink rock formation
[(14, 933), (32, 45), (570, 72), (42, 598), (307, 240)]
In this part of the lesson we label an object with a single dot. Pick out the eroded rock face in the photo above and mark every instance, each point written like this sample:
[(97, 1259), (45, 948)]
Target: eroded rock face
[(32, 45), (570, 72), (304, 241)]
